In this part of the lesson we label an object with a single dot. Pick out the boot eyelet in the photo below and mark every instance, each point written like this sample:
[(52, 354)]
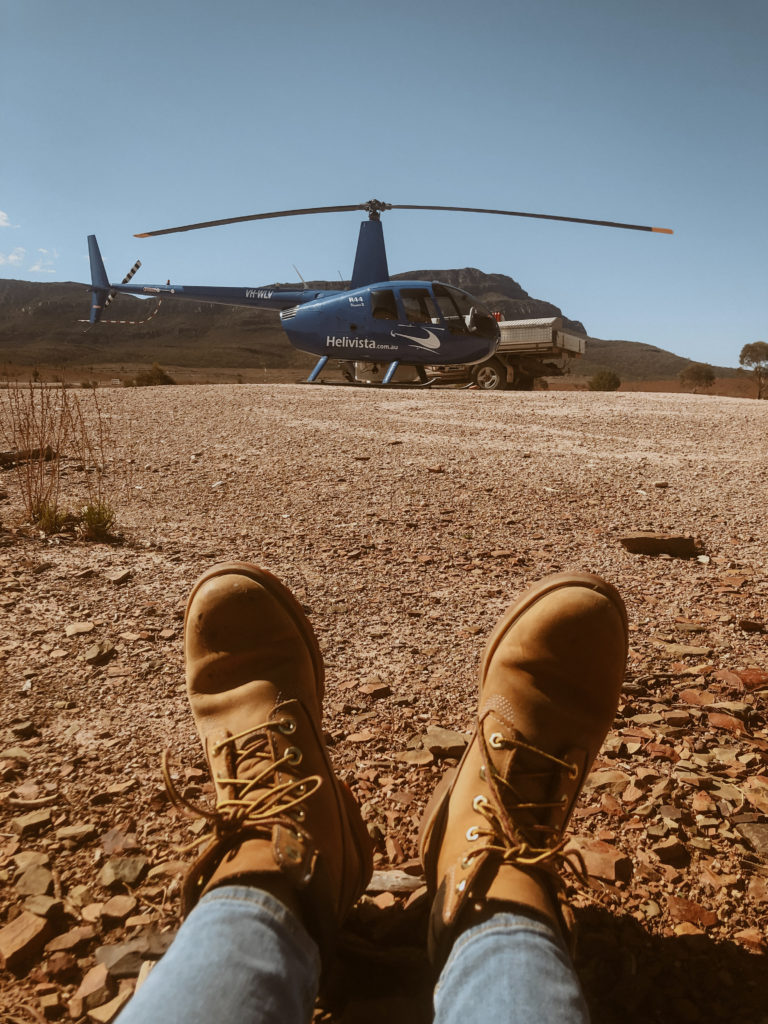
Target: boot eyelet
[(479, 803), (287, 726), (301, 789), (293, 755), (564, 800), (496, 740), (573, 771), (298, 814), (465, 862), (472, 833), (482, 773)]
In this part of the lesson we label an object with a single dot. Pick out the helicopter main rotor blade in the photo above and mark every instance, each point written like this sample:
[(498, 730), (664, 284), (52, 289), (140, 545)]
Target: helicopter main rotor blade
[(253, 216), (374, 207), (537, 216)]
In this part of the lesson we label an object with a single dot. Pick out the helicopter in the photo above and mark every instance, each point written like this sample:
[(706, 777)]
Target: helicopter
[(371, 328)]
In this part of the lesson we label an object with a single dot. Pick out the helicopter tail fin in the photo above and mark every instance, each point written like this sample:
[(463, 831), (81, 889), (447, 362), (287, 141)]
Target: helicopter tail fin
[(99, 281)]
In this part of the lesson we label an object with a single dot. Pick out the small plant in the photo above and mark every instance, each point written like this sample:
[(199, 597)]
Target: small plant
[(96, 520), (605, 380), (41, 426), (49, 517)]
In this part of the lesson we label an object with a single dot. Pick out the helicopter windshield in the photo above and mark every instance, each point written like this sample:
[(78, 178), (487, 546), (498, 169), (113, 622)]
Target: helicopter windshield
[(456, 306)]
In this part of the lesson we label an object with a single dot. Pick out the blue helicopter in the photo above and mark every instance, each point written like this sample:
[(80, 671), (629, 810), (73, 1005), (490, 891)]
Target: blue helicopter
[(376, 324)]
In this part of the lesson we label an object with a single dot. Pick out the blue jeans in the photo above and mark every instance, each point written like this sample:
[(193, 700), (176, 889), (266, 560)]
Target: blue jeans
[(241, 957)]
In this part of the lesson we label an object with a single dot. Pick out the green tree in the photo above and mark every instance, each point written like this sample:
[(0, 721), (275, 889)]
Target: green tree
[(605, 380), (755, 357), (696, 376)]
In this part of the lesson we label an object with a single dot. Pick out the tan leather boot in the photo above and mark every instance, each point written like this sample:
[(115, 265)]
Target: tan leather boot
[(255, 684), (549, 687)]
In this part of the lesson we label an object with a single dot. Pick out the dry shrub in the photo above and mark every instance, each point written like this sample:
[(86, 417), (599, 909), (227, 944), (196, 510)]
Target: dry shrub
[(42, 426)]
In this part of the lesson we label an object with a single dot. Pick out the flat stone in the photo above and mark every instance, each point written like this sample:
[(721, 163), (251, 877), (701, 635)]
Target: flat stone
[(44, 906), (79, 628), (123, 871), (107, 1013), (394, 881), (415, 757), (22, 940), (602, 860), (124, 959), (672, 851), (99, 653), (647, 543), (29, 858), (688, 911), (376, 690), (757, 837), (117, 909), (70, 940), (96, 988), (610, 779), (32, 823), (76, 833), (35, 881), (118, 575), (444, 742)]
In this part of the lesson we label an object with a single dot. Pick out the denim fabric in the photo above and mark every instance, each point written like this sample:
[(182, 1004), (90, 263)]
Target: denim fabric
[(241, 957), (511, 968)]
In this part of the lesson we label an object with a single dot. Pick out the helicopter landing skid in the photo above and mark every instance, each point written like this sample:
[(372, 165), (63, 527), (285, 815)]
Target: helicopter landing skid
[(387, 380), (399, 385)]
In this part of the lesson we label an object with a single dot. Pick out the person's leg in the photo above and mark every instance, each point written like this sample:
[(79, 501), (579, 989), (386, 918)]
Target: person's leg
[(512, 967), (288, 852), (492, 839), (240, 957)]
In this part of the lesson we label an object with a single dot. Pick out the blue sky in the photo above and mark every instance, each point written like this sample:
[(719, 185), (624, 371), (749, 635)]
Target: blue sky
[(117, 118)]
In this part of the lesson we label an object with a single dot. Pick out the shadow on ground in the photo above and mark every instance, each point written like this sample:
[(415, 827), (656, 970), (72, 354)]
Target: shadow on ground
[(629, 976)]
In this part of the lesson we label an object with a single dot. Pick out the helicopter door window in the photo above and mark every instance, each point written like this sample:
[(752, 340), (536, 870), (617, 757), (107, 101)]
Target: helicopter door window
[(451, 312), (383, 305), (419, 306)]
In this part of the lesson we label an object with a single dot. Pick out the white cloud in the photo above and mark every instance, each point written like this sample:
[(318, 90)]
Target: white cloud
[(4, 220), (13, 258), (44, 263)]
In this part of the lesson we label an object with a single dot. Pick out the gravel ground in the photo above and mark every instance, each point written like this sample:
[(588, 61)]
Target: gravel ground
[(405, 522)]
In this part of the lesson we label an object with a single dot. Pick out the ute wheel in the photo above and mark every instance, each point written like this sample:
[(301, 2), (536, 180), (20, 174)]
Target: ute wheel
[(491, 376)]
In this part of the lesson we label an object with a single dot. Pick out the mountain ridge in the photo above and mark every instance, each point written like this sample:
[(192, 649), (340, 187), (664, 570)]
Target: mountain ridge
[(41, 324)]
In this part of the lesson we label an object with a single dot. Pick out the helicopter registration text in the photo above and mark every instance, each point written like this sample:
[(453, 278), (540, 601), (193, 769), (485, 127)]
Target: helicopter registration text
[(258, 293)]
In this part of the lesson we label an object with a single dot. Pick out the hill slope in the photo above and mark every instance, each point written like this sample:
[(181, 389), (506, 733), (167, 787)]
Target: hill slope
[(39, 326)]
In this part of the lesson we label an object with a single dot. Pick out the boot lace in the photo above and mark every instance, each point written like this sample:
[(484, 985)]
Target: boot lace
[(258, 800), (529, 844)]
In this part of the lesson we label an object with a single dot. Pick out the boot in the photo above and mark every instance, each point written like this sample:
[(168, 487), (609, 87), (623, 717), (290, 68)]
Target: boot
[(282, 820), (492, 835)]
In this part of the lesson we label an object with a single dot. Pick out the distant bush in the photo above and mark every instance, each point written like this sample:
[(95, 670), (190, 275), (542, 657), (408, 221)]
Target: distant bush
[(755, 357), (605, 380), (152, 378), (696, 376)]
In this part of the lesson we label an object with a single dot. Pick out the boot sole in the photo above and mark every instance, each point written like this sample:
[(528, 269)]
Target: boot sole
[(280, 593)]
